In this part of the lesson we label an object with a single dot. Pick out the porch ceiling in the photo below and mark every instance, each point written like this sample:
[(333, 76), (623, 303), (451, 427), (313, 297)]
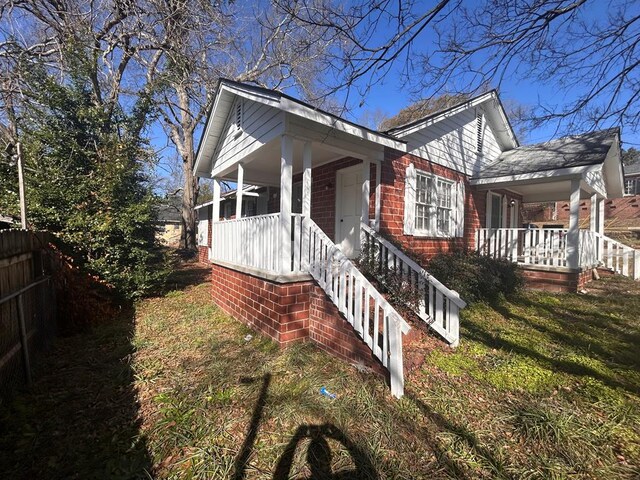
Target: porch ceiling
[(262, 167), (547, 191)]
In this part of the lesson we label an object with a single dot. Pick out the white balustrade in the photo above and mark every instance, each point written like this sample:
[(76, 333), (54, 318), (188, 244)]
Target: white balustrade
[(548, 246), (439, 306), (372, 317)]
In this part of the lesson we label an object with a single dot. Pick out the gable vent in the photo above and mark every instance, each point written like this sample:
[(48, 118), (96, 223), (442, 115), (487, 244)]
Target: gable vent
[(238, 115), (479, 132)]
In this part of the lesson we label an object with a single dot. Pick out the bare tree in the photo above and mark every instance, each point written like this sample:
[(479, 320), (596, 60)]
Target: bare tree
[(200, 42), (586, 51)]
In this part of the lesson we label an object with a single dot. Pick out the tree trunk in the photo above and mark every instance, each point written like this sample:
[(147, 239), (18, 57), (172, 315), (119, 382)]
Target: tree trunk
[(189, 198)]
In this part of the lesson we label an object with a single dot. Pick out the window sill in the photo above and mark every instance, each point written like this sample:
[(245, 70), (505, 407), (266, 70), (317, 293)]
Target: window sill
[(430, 235)]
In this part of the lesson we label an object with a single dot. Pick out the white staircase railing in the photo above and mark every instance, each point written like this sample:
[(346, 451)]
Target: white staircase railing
[(372, 317), (618, 257), (439, 306)]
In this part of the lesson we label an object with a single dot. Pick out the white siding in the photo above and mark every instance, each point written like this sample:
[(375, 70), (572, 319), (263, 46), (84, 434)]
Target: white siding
[(452, 142), (203, 226), (260, 124), (595, 180)]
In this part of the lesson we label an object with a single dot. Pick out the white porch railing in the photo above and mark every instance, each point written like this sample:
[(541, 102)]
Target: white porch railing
[(372, 317), (530, 246), (439, 306), (254, 242), (548, 246), (619, 257)]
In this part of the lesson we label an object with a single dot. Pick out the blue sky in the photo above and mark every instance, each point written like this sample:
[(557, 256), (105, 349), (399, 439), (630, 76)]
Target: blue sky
[(390, 95)]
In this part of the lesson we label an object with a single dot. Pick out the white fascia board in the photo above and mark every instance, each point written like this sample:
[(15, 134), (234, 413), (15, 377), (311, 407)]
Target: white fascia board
[(401, 132), (523, 177), (322, 118), (612, 171), (496, 106), (202, 205), (200, 170)]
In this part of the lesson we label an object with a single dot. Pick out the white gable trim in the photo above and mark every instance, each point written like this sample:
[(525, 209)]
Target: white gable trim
[(228, 91), (493, 104)]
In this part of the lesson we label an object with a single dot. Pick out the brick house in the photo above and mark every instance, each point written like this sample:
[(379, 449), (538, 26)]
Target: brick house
[(454, 179)]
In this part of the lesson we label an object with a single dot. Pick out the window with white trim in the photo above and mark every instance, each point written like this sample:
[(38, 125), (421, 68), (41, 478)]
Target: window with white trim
[(433, 209), (630, 187)]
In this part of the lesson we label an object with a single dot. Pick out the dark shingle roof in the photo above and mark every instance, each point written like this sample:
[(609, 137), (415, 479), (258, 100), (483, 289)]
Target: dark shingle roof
[(170, 210), (573, 151), (632, 169)]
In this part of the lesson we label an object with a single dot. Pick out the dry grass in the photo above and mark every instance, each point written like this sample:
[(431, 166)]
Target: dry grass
[(543, 387)]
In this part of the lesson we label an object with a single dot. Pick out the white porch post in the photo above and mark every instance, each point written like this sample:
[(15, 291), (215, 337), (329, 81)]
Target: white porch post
[(215, 212), (306, 202), (593, 219), (573, 236), (286, 184), (366, 175), (239, 191), (306, 180), (378, 195), (600, 229)]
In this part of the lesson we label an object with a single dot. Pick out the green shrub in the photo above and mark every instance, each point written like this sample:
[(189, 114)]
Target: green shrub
[(476, 277), (390, 281)]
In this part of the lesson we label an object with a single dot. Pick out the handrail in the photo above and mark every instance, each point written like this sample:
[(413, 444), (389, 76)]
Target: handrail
[(372, 316), (618, 256), (455, 296), (439, 305)]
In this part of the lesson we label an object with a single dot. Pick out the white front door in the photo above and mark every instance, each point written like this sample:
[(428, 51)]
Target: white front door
[(349, 210)]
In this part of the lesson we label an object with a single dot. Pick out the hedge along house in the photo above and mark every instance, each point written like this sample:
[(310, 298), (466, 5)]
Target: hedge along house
[(336, 186)]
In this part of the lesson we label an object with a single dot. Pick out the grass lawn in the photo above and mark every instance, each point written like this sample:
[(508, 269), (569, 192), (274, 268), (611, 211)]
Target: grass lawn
[(547, 386)]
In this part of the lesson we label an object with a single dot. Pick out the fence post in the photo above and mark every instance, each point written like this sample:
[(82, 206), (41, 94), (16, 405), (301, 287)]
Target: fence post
[(24, 340)]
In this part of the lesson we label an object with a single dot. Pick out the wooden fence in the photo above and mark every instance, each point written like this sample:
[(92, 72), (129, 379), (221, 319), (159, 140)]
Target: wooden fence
[(27, 304)]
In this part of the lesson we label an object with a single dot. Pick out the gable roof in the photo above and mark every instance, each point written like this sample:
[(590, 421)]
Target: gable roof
[(495, 112), (227, 89), (574, 151)]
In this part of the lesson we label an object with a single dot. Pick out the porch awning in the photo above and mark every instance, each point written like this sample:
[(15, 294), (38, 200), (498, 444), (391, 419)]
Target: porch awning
[(539, 171)]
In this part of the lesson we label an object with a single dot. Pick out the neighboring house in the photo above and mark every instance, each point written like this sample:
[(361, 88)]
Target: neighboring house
[(169, 222), (454, 179), (7, 221)]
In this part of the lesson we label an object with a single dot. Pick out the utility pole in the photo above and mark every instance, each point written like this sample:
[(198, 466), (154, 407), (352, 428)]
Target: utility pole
[(23, 203)]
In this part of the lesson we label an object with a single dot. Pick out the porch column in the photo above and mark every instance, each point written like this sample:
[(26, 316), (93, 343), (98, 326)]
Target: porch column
[(286, 184), (239, 191), (215, 210), (306, 203), (573, 236), (600, 229), (593, 219), (366, 175), (306, 180), (376, 224)]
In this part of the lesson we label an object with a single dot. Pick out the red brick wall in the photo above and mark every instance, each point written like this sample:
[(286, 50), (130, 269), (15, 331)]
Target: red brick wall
[(619, 213), (203, 254), (280, 311), (392, 199), (289, 312), (333, 334), (552, 281)]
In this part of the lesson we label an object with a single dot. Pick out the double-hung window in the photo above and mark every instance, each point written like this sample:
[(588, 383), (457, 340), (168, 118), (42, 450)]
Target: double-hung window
[(432, 207)]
